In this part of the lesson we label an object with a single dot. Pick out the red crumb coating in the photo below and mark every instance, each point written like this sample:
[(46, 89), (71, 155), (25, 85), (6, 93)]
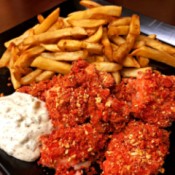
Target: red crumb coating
[(151, 97), (67, 147), (139, 149), (85, 94), (38, 89)]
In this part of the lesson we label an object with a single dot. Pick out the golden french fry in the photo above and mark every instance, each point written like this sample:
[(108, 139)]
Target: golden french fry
[(108, 18), (27, 57), (134, 28), (45, 75), (121, 52), (125, 48), (87, 23), (66, 23), (110, 10), (114, 47), (70, 45), (108, 51), (96, 58), (156, 44), (121, 21), (157, 55), (107, 66), (66, 56), (119, 30), (30, 78), (14, 55), (89, 4), (47, 22), (143, 61), (59, 24), (40, 18), (94, 48), (117, 40), (75, 45), (152, 36), (91, 31), (130, 61), (138, 44), (51, 47), (51, 65), (133, 72), (117, 77), (52, 35), (96, 36), (15, 78)]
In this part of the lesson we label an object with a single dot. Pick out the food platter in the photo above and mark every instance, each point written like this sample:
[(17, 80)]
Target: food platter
[(13, 166)]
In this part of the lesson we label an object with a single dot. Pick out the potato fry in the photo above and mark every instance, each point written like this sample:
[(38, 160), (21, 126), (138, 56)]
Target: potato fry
[(125, 48), (117, 77), (134, 28), (91, 31), (51, 65), (114, 47), (96, 58), (14, 55), (47, 22), (107, 66), (89, 4), (59, 24), (87, 23), (51, 47), (95, 37), (66, 56), (152, 36), (143, 61), (110, 10), (70, 45), (108, 51), (119, 30), (156, 44), (123, 21), (15, 78), (40, 18), (45, 75), (138, 44), (75, 45), (157, 55), (130, 61), (27, 57), (117, 40), (52, 35), (30, 78), (133, 72)]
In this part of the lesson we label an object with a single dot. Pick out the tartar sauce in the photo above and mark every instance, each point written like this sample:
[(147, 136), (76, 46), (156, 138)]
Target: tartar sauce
[(23, 119)]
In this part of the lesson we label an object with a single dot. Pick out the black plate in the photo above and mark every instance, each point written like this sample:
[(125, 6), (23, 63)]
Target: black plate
[(12, 166)]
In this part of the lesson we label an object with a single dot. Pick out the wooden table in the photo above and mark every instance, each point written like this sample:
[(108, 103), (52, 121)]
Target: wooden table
[(14, 12), (163, 10)]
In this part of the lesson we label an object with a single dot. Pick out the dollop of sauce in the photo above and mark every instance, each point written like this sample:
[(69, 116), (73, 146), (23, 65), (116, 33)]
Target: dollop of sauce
[(23, 119)]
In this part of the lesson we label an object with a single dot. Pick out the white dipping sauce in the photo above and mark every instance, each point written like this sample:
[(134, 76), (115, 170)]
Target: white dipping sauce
[(23, 119)]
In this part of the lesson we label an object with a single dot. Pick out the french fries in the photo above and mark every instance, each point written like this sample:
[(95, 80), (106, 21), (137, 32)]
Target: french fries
[(110, 10), (156, 55), (99, 35), (51, 65)]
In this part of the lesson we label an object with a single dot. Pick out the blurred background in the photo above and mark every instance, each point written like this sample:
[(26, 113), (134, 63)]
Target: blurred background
[(14, 12)]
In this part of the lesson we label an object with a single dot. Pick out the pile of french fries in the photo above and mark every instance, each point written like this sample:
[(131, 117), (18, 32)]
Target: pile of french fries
[(98, 34)]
